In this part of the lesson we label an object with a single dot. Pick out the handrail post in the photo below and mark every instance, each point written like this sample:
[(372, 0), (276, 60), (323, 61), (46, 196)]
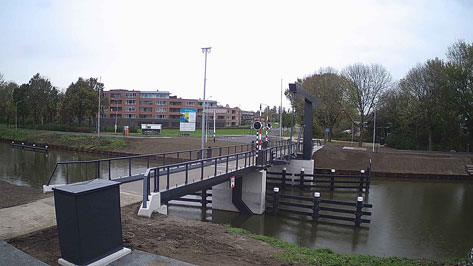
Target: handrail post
[(283, 181), (275, 201), (98, 169), (215, 168), (202, 170), (301, 181), (147, 161), (236, 161), (129, 166), (156, 186), (145, 195), (332, 179), (157, 180), (86, 172), (219, 151), (316, 208), (109, 170), (187, 173), (226, 165), (164, 158), (67, 173), (167, 178), (358, 213)]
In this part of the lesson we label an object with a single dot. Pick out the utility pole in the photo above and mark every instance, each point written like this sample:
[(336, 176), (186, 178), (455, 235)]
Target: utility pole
[(374, 127), (205, 50), (280, 115)]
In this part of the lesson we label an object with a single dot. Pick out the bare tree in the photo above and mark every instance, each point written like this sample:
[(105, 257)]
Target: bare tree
[(365, 84)]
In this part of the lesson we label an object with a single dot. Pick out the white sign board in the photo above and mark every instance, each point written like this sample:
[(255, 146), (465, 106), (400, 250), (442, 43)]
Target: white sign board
[(187, 121)]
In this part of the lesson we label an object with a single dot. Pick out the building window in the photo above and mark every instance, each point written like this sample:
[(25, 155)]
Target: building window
[(161, 109), (116, 95), (160, 116), (221, 117), (175, 117), (228, 118), (233, 117), (130, 109), (174, 110), (175, 103), (146, 109), (154, 95), (145, 116), (189, 103), (115, 109), (130, 116), (115, 102), (146, 102), (130, 95), (115, 115), (161, 102), (130, 102)]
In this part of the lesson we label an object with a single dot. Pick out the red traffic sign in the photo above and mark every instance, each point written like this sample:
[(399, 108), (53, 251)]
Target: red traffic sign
[(232, 182)]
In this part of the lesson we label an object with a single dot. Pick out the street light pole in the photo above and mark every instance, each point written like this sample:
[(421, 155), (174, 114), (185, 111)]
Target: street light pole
[(16, 115), (374, 127), (205, 50)]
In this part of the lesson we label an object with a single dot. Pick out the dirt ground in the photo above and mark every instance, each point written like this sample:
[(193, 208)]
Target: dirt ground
[(393, 162), (12, 195), (157, 145), (190, 241)]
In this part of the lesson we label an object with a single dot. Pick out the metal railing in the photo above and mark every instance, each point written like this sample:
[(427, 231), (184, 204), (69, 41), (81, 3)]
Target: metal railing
[(163, 159), (253, 158)]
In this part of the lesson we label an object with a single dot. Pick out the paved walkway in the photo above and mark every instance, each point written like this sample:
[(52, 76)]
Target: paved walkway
[(40, 214), (9, 255)]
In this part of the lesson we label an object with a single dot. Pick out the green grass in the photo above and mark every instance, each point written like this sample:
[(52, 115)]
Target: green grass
[(174, 132), (69, 140), (296, 254)]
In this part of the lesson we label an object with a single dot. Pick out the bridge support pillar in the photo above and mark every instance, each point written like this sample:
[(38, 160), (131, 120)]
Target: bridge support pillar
[(294, 167), (153, 204), (253, 194)]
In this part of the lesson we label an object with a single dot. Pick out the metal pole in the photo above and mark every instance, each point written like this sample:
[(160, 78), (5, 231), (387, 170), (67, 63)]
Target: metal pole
[(374, 127), (205, 51), (98, 111), (214, 125), (280, 115)]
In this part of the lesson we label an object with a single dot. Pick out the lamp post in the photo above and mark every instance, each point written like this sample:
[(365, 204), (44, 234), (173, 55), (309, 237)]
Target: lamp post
[(205, 50), (116, 116), (16, 114)]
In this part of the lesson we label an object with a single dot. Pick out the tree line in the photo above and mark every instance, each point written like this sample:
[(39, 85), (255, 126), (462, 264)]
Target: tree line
[(38, 102), (431, 107)]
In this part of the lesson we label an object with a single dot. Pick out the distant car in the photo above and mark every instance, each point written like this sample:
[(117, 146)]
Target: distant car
[(347, 131)]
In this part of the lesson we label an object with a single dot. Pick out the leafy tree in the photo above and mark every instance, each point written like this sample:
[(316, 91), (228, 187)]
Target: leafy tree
[(326, 85), (460, 73), (81, 99), (365, 84), (7, 107)]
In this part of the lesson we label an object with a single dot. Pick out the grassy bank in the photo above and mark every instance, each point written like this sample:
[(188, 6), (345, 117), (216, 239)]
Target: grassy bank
[(296, 254), (68, 140)]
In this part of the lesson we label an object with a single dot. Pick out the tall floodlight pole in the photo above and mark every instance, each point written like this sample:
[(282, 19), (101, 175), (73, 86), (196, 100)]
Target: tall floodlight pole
[(280, 115), (205, 50), (374, 127)]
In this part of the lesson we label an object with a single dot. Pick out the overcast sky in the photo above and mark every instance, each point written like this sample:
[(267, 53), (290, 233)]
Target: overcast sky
[(156, 45)]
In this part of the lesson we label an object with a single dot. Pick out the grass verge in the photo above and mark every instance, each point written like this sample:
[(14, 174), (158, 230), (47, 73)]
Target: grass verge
[(296, 254), (68, 140)]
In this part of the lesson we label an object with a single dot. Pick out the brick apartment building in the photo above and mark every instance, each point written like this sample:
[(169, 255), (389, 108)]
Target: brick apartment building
[(161, 107)]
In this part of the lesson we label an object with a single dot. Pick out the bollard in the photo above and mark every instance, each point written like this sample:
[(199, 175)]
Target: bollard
[(301, 181), (369, 180), (362, 175), (276, 201), (316, 208), (359, 209), (332, 179), (283, 182)]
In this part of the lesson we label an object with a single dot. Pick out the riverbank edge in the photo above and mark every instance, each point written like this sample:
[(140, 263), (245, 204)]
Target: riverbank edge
[(389, 175), (75, 149), (324, 256)]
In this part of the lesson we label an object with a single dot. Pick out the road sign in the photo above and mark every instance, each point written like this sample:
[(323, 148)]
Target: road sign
[(232, 182), (327, 130)]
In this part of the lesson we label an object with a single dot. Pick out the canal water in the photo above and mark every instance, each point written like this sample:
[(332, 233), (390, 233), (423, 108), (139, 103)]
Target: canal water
[(416, 219)]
